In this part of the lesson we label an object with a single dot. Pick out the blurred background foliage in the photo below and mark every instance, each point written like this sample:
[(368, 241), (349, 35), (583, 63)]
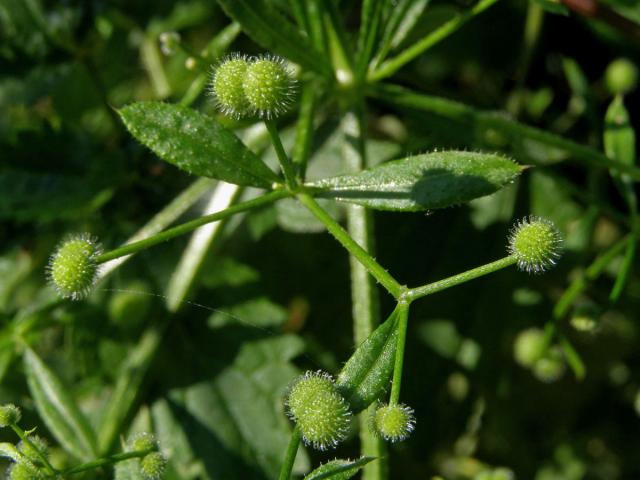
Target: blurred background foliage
[(201, 353)]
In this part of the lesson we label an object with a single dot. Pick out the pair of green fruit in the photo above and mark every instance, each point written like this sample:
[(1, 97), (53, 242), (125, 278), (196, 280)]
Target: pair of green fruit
[(323, 415), (261, 86)]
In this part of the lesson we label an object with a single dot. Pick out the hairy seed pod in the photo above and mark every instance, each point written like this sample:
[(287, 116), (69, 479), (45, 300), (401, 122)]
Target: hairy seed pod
[(269, 86), (529, 346), (227, 88), (73, 268), (393, 422), (38, 446), (321, 413), (9, 415), (536, 244), (152, 466), (141, 442), (25, 470)]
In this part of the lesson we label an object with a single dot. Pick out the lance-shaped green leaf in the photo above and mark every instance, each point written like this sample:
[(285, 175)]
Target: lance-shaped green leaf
[(423, 182), (58, 409), (365, 376), (195, 143), (267, 27), (338, 469)]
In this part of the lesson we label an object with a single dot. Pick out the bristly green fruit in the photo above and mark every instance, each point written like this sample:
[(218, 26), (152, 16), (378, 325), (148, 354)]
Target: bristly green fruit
[(25, 470), (393, 422), (529, 346), (73, 268), (9, 415), (33, 450), (269, 86), (321, 413), (536, 244), (227, 89), (152, 466), (141, 442)]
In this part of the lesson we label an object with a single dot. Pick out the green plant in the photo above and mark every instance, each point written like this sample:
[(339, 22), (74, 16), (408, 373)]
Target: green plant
[(318, 80), (321, 409)]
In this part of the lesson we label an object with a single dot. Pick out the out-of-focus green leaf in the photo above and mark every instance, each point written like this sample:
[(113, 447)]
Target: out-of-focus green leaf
[(233, 426), (401, 21), (338, 469), (58, 409), (553, 6), (46, 196), (365, 376), (274, 32), (259, 312), (423, 182), (195, 143), (442, 336), (126, 389), (227, 271)]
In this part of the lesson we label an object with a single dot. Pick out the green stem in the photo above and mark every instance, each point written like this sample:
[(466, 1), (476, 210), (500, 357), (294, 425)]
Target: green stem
[(304, 129), (369, 26), (364, 291), (340, 234), (25, 438), (285, 163), (392, 65), (463, 277), (187, 227), (290, 455), (315, 13), (403, 317), (110, 460), (399, 96)]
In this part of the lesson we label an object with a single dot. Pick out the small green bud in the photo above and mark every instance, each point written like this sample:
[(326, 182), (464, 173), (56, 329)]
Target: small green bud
[(393, 422), (9, 415), (529, 346), (25, 470), (152, 466), (268, 86), (38, 444), (141, 442), (550, 367), (72, 268), (536, 244), (321, 413), (227, 88), (621, 76)]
